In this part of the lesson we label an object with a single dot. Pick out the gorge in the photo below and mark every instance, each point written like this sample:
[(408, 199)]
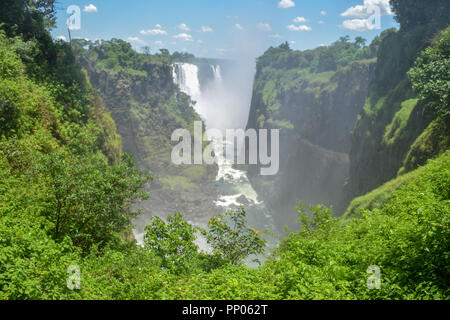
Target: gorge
[(318, 107), (92, 205)]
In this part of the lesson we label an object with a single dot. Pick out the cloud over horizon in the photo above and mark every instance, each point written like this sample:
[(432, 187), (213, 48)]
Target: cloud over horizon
[(158, 31)]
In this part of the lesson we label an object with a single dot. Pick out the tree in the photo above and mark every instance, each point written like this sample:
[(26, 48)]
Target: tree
[(146, 50), (182, 56), (173, 242), (412, 12), (360, 42), (47, 7), (28, 17), (344, 39), (285, 46), (87, 199), (231, 239), (430, 76), (164, 52)]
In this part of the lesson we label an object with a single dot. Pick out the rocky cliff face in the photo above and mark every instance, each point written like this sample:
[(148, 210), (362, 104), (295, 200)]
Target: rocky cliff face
[(346, 133), (146, 110), (392, 118), (316, 113)]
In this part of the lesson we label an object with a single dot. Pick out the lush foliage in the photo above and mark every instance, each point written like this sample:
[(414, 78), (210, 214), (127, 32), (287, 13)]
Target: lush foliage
[(391, 135), (430, 75), (67, 194), (173, 242), (64, 186), (326, 58), (407, 239), (231, 239), (411, 13)]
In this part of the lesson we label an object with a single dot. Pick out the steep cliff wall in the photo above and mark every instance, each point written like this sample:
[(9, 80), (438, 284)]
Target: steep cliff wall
[(350, 123), (396, 132), (316, 112), (147, 107)]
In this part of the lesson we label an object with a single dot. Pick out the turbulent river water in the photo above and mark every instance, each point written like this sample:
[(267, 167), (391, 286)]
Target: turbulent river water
[(233, 186)]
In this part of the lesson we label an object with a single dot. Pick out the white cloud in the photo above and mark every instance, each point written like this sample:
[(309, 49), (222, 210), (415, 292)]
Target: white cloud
[(184, 27), (264, 26), (200, 41), (355, 12), (321, 22), (61, 38), (364, 11), (300, 20), (159, 43), (237, 25), (158, 26), (154, 32), (136, 40), (207, 29), (361, 11), (358, 25), (284, 4), (275, 36), (221, 50), (292, 42), (299, 28), (184, 36), (90, 8), (323, 12)]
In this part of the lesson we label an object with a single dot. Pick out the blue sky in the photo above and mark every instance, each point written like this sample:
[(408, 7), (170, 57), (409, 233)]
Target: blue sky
[(224, 28)]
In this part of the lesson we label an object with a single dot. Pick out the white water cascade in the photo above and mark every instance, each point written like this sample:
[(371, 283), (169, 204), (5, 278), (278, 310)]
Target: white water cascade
[(213, 106), (217, 74), (186, 77)]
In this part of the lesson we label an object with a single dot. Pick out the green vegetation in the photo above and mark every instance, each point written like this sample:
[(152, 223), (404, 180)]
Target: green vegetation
[(65, 186), (67, 190), (412, 13), (323, 59), (430, 75), (399, 122), (179, 183), (434, 140), (173, 243), (146, 106), (285, 72), (430, 78), (393, 134), (377, 198), (407, 238), (231, 239), (117, 56)]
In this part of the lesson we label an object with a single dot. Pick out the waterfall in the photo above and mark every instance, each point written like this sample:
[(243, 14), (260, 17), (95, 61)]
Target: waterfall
[(217, 74), (219, 104), (185, 75), (216, 109)]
